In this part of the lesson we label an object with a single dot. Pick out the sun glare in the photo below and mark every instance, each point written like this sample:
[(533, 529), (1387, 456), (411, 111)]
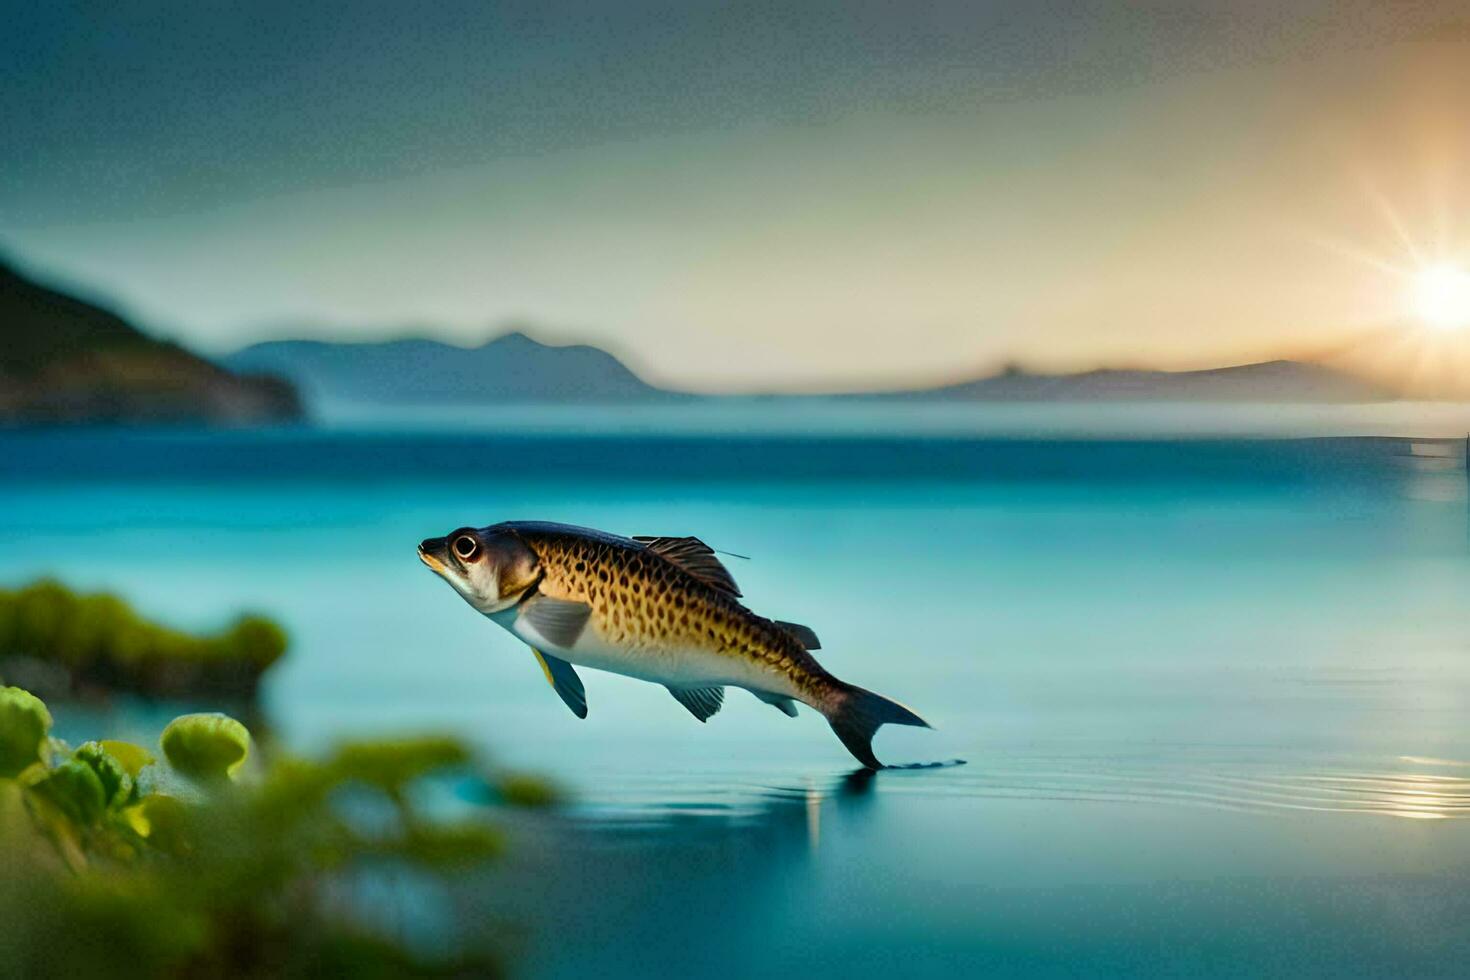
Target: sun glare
[(1442, 297)]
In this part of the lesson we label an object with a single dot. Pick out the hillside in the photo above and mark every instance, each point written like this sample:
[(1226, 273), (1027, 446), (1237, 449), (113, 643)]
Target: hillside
[(510, 368), (66, 360), (515, 368), (1267, 382)]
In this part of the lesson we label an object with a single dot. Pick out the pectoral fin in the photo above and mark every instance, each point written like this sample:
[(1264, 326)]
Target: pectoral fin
[(558, 621), (702, 702), (564, 681)]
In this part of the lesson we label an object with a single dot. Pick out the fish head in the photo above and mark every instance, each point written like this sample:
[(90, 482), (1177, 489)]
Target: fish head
[(491, 568)]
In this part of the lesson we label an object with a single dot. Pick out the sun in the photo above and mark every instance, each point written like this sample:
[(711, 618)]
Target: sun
[(1442, 296)]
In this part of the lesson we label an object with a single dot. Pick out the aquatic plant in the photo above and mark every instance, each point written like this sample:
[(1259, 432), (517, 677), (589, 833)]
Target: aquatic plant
[(24, 722), (99, 643), (207, 861)]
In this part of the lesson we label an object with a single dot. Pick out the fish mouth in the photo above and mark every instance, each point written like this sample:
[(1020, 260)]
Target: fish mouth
[(428, 558)]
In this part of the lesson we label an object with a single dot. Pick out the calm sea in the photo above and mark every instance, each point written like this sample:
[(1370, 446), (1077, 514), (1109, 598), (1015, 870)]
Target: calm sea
[(1213, 694)]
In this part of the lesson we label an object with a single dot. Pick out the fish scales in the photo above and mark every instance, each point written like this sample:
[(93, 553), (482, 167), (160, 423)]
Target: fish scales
[(641, 600)]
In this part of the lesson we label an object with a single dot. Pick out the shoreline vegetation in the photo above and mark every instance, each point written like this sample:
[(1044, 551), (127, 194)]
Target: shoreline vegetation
[(200, 860), (64, 644)]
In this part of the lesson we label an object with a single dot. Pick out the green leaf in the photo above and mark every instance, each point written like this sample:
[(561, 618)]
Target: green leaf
[(24, 722), (167, 822), (206, 746), (117, 785), (76, 790), (132, 757)]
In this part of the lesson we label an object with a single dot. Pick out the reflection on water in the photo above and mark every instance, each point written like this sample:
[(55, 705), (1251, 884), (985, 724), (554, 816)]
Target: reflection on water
[(1438, 471), (1037, 866), (1400, 788)]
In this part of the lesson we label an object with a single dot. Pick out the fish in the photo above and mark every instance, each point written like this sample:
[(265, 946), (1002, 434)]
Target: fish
[(662, 609)]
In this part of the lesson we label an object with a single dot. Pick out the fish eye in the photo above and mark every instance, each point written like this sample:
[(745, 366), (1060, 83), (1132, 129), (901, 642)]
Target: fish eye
[(466, 547)]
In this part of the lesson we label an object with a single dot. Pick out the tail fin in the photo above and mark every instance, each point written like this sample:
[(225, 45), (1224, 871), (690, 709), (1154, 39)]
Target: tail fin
[(855, 715)]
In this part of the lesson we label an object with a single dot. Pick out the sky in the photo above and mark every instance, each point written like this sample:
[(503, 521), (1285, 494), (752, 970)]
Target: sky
[(757, 196)]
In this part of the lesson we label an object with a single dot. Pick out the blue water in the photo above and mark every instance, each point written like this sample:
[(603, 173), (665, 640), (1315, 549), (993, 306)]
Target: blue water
[(1212, 693)]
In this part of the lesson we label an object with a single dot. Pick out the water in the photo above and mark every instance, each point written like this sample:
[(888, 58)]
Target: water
[(1212, 694), (787, 415)]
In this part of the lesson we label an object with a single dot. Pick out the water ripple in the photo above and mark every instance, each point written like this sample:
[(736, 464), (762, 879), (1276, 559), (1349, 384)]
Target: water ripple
[(1406, 794), (1398, 787)]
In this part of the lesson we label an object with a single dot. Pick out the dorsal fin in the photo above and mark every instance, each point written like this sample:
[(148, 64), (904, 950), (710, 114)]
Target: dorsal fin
[(696, 558), (805, 634)]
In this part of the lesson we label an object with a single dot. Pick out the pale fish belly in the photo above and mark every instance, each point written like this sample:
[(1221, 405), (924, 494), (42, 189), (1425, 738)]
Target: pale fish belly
[(671, 666)]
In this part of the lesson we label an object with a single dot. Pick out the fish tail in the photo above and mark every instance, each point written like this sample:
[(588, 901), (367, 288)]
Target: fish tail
[(856, 715)]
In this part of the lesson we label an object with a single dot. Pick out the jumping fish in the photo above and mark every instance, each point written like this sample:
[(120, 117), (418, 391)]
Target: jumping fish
[(660, 609)]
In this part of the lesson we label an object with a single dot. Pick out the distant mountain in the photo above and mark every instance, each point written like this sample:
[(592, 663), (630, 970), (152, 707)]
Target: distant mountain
[(66, 360), (1268, 382), (510, 368), (515, 368)]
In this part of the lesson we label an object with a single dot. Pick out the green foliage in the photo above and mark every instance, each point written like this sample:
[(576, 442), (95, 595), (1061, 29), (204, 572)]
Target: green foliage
[(390, 764), (206, 747), (120, 865), (24, 722), (131, 757), (520, 789), (101, 641), (117, 784), (255, 640), (75, 788)]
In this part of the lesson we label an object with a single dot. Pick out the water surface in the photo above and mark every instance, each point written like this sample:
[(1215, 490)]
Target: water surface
[(1212, 693)]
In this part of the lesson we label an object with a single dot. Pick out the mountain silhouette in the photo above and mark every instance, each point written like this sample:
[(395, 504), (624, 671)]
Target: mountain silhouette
[(1265, 382), (516, 368), (66, 360), (510, 368)]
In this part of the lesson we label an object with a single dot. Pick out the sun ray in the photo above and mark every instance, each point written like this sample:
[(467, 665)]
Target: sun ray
[(1349, 251), (1389, 214), (1418, 343)]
